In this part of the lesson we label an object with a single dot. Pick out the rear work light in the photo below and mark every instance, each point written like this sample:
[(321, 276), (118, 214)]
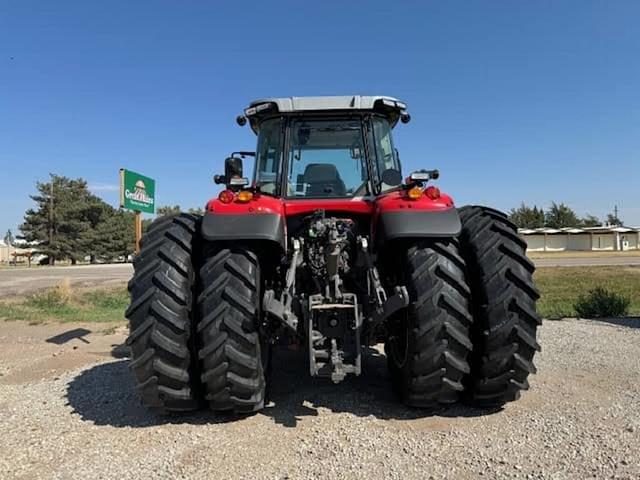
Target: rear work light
[(424, 176), (226, 196)]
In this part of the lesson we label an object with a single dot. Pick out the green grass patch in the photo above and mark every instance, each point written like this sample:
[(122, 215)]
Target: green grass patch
[(63, 304), (561, 287)]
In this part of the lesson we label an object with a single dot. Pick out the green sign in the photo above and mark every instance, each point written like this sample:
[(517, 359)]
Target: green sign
[(137, 192)]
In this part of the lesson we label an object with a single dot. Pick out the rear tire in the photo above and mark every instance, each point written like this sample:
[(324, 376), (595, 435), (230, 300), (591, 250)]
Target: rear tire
[(160, 316), (429, 342), (229, 341), (504, 298)]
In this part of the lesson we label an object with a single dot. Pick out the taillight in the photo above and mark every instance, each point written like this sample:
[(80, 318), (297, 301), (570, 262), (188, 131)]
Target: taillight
[(244, 196), (414, 193), (432, 192), (226, 196)]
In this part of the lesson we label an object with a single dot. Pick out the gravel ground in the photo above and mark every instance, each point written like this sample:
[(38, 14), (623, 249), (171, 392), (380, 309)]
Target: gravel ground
[(68, 410)]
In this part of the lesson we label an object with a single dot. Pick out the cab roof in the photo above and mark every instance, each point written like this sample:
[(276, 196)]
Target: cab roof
[(388, 106)]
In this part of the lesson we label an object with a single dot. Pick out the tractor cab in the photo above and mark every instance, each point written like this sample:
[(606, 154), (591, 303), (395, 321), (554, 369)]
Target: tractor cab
[(325, 147)]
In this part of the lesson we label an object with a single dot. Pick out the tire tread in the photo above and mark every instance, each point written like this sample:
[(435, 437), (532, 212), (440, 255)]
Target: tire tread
[(161, 316), (504, 297)]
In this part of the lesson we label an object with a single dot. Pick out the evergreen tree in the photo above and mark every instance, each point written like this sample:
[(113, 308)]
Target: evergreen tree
[(8, 238), (590, 221), (196, 211), (561, 216), (527, 217), (538, 218), (64, 220), (612, 219), (176, 209), (168, 210), (115, 236)]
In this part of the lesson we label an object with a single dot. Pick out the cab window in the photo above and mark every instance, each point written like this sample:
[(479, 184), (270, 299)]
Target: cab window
[(269, 156), (327, 159), (384, 150)]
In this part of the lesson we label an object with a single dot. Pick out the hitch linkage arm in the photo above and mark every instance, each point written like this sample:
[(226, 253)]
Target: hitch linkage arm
[(281, 308), (384, 307)]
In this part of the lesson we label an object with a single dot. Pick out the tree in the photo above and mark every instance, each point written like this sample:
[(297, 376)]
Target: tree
[(538, 217), (527, 217), (168, 210), (115, 237), (612, 219), (561, 216), (65, 218), (175, 210), (8, 238), (589, 221), (196, 211), (93, 239)]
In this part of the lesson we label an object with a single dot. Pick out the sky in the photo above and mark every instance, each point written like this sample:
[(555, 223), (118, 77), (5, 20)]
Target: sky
[(513, 101)]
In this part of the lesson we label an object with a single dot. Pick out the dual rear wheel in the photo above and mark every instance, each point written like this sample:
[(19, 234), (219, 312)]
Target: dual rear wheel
[(195, 340), (470, 330)]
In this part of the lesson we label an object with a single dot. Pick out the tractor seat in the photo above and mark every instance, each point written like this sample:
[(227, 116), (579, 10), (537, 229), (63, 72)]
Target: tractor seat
[(323, 180)]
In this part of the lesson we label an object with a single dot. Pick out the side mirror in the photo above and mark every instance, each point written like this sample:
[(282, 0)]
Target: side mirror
[(391, 177), (232, 173)]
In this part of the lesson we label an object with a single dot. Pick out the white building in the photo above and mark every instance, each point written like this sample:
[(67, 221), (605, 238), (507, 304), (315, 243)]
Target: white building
[(586, 239), (6, 252), (16, 252)]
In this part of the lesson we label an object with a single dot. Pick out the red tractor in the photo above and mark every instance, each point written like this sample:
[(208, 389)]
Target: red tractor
[(329, 248)]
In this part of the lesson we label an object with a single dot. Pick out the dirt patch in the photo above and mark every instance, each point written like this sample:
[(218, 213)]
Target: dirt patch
[(29, 353)]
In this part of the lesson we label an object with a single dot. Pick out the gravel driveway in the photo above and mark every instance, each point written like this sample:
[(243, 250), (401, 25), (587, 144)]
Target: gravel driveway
[(68, 410)]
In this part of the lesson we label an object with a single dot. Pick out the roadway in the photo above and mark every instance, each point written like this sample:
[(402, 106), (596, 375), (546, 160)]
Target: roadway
[(584, 261), (20, 281)]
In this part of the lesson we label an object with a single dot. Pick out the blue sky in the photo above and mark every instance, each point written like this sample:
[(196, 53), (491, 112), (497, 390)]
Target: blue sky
[(512, 101)]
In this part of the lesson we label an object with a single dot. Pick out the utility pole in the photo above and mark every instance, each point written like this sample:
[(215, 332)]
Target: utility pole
[(51, 217), (138, 220)]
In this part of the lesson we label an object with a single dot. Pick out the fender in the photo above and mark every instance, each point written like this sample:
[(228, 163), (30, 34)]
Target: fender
[(400, 218), (261, 219)]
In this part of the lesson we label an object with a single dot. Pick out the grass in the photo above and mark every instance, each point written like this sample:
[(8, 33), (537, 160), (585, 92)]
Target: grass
[(560, 287), (64, 304), (585, 254)]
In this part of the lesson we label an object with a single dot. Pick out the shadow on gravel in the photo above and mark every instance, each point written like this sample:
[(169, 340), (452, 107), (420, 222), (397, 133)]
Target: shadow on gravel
[(631, 322), (295, 395), (105, 395)]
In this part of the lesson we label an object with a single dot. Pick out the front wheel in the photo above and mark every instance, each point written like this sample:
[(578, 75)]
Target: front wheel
[(428, 342)]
